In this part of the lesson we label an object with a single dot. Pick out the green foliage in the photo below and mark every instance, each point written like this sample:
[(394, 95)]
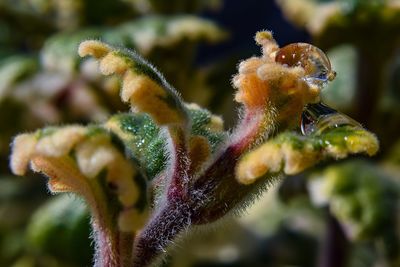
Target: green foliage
[(147, 145), (364, 199), (361, 196), (143, 34), (60, 228)]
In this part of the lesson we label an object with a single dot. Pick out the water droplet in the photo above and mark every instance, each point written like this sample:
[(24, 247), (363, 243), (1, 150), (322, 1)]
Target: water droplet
[(317, 118), (314, 61)]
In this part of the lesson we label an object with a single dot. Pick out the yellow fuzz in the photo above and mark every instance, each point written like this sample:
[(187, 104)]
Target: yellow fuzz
[(93, 48), (261, 81), (144, 93)]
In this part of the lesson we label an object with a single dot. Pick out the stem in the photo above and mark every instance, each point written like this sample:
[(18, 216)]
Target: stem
[(105, 248), (206, 199), (216, 191), (125, 241), (334, 250), (180, 163), (159, 233), (113, 248), (252, 127)]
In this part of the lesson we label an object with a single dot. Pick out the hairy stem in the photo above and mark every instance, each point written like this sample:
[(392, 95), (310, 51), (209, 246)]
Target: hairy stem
[(162, 229), (125, 241), (180, 163), (208, 198), (105, 248)]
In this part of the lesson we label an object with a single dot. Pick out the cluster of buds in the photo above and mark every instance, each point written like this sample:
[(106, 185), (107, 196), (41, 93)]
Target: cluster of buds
[(152, 174)]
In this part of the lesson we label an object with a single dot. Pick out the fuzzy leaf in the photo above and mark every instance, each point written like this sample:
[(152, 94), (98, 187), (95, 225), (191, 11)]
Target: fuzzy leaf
[(146, 143), (86, 161), (142, 85), (291, 153)]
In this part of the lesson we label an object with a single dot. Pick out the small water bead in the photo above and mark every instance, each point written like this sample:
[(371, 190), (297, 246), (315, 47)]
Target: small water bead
[(317, 118), (314, 61)]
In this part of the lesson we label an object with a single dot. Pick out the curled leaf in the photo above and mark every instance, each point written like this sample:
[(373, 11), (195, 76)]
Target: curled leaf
[(86, 161), (291, 153), (143, 86)]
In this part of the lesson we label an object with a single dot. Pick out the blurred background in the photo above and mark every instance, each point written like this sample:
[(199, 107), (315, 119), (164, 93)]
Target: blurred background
[(337, 214)]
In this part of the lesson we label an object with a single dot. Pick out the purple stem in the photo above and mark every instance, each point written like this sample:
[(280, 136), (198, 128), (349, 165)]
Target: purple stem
[(180, 164), (199, 200), (159, 233)]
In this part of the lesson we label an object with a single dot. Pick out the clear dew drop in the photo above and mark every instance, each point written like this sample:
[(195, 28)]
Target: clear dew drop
[(317, 118), (314, 61)]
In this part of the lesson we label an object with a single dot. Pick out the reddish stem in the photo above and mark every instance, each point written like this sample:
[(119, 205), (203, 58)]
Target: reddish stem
[(180, 164), (206, 199)]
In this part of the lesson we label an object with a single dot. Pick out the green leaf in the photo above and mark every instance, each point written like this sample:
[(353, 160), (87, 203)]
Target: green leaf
[(61, 228)]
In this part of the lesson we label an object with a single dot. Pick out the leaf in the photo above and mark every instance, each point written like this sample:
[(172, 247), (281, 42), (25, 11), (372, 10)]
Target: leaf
[(292, 153)]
